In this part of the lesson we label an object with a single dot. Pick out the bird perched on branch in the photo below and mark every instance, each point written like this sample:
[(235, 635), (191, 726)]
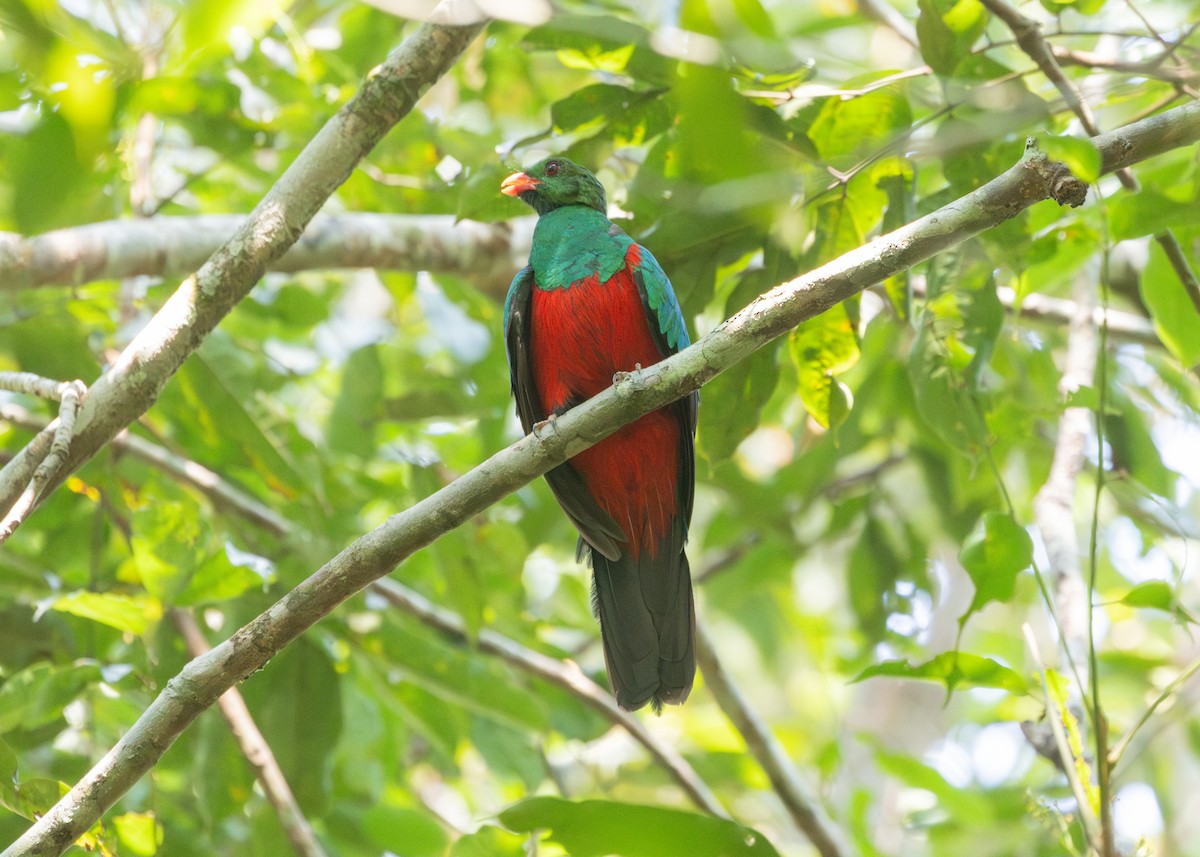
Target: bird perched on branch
[(590, 304)]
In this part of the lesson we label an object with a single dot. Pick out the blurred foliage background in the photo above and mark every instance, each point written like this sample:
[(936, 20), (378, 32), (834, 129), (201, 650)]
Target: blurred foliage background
[(865, 487)]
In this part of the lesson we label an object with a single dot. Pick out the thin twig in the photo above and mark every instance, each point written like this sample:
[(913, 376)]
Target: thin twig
[(256, 750), (564, 674), (1118, 750), (1029, 38), (765, 747)]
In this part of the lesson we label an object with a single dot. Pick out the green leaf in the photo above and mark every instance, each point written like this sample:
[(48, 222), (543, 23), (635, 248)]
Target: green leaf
[(479, 196), (1176, 319), (733, 403), (225, 575), (1079, 155), (821, 348), (954, 670), (993, 558), (848, 128), (597, 828), (139, 833), (133, 614), (205, 23), (591, 104), (46, 173), (1156, 594), (946, 30), (1083, 7), (37, 695), (755, 17), (358, 408), (403, 831), (218, 412), (296, 700), (954, 345), (457, 675), (490, 841), (1148, 212)]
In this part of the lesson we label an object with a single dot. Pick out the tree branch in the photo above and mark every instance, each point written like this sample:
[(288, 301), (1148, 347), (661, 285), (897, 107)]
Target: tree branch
[(171, 246), (256, 750), (765, 747), (69, 395), (133, 382), (381, 550), (1054, 505), (564, 674), (1029, 37)]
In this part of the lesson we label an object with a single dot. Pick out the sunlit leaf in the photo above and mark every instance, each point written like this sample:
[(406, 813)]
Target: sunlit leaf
[(134, 614), (993, 557), (822, 348), (595, 828), (955, 670), (138, 832), (1176, 318), (1080, 156), (490, 841), (947, 29)]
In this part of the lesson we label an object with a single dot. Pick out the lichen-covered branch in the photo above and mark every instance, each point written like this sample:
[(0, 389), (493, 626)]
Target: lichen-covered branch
[(379, 552)]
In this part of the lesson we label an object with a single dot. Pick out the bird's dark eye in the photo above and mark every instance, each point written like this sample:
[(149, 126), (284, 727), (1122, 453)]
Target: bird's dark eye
[(552, 168)]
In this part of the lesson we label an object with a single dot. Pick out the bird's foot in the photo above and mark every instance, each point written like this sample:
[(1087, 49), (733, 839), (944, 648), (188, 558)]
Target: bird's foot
[(548, 422), (622, 377)]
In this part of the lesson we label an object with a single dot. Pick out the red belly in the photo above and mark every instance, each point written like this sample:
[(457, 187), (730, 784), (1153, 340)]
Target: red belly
[(579, 338)]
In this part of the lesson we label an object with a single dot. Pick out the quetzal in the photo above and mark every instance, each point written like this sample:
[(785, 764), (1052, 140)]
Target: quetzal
[(592, 303)]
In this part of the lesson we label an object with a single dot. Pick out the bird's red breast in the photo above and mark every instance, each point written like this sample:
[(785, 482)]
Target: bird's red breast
[(579, 338)]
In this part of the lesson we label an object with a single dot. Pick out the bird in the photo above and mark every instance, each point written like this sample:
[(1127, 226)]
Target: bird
[(591, 304)]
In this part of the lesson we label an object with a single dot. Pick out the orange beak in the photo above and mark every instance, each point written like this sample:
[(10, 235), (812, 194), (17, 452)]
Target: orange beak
[(517, 184)]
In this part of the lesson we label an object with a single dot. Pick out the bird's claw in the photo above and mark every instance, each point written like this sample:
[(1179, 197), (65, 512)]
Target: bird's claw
[(622, 377), (548, 422)]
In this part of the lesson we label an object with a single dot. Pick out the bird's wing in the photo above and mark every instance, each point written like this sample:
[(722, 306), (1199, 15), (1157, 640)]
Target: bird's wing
[(597, 526)]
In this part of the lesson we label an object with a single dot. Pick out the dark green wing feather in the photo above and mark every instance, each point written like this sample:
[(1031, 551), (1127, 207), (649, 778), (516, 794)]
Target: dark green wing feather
[(596, 525)]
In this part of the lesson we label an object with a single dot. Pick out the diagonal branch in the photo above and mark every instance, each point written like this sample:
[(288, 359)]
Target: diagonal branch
[(133, 382), (256, 750), (564, 674), (378, 552), (765, 747)]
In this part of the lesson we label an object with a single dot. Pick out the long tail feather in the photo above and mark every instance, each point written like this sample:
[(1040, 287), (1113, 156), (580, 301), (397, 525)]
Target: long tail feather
[(647, 623)]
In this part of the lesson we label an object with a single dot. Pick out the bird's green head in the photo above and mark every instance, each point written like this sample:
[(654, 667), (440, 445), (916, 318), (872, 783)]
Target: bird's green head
[(554, 183)]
